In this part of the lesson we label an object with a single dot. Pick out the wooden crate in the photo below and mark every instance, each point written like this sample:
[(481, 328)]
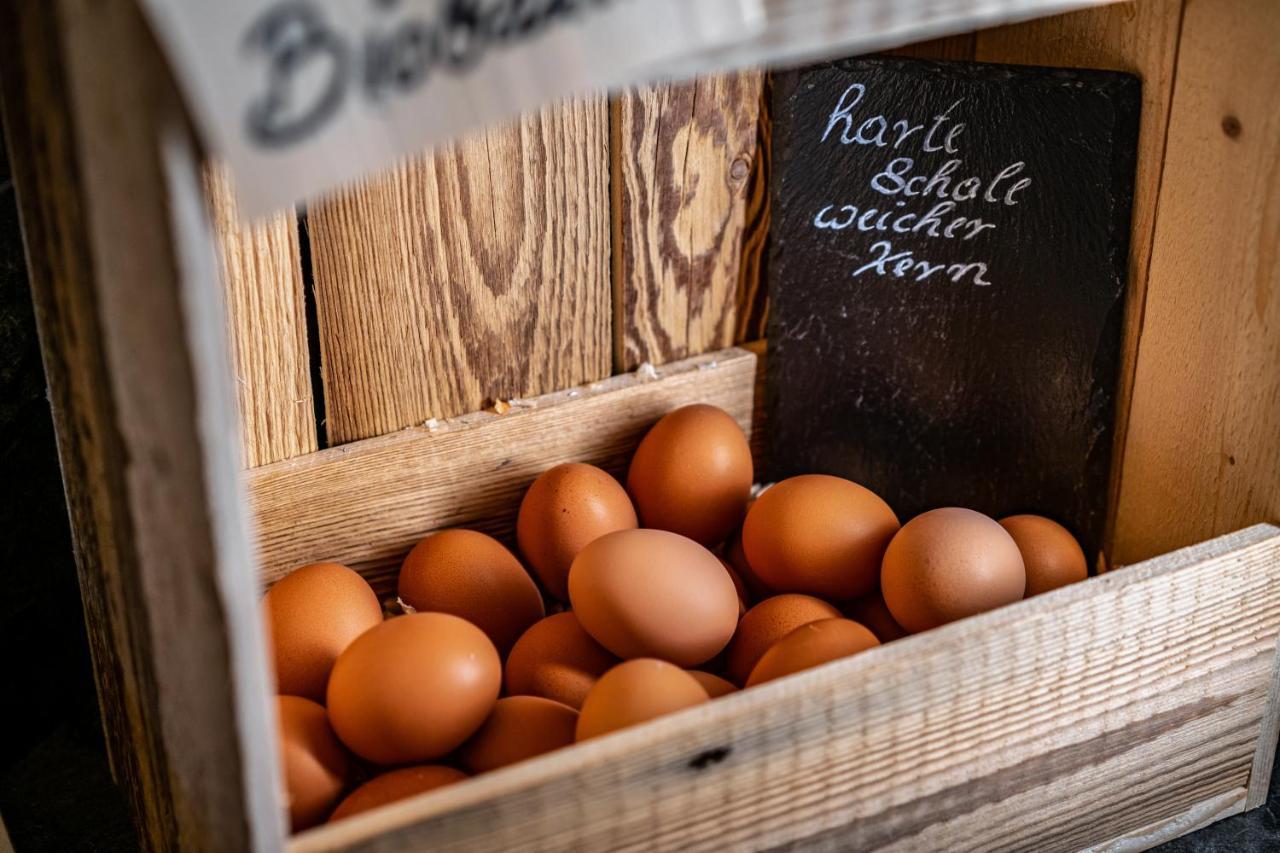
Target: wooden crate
[(372, 335)]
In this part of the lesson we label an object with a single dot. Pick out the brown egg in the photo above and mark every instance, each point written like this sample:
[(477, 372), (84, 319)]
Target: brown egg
[(651, 593), (819, 535), (312, 614), (472, 575), (812, 645), (635, 692), (767, 623), (414, 688), (737, 557), (737, 585), (870, 610), (520, 727), (713, 684), (1050, 554), (947, 564), (692, 474), (315, 765), (396, 785), (564, 510), (557, 660)]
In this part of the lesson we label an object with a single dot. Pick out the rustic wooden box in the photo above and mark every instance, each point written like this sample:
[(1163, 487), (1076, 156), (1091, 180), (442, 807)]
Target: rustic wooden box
[(457, 361)]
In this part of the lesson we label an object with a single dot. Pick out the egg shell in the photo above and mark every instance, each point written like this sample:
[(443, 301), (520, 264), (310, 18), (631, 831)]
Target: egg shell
[(518, 728), (812, 645), (315, 765), (819, 535), (312, 614), (1050, 554), (738, 585), (757, 589), (692, 474), (767, 623), (713, 684), (635, 692), (870, 610), (556, 659), (652, 593), (472, 576), (396, 785), (413, 688), (947, 564), (564, 510)]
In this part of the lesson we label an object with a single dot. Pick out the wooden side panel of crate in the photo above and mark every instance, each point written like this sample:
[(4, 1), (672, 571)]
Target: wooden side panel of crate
[(681, 161), (1203, 452), (476, 273), (1131, 703), (262, 273)]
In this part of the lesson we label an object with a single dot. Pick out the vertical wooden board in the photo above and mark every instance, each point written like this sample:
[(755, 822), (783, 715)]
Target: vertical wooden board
[(1203, 450), (681, 159), (753, 295), (474, 273), (1140, 37), (266, 318)]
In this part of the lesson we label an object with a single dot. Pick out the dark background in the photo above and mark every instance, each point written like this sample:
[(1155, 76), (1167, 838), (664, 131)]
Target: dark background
[(56, 792)]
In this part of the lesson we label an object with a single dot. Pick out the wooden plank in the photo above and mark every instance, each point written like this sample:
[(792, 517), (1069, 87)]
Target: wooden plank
[(266, 318), (1203, 450), (753, 292), (681, 159), (1070, 719), (125, 283), (477, 273), (366, 504), (1264, 755)]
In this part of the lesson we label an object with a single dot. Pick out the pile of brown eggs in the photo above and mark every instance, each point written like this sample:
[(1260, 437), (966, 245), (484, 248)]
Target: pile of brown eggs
[(679, 590)]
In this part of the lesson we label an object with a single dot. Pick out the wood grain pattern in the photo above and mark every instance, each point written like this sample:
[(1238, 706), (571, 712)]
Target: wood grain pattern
[(1141, 38), (366, 504), (1070, 719), (753, 289), (266, 318), (1203, 451), (478, 272), (681, 159)]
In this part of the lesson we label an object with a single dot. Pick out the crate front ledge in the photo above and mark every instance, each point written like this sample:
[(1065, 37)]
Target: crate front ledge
[(1130, 708)]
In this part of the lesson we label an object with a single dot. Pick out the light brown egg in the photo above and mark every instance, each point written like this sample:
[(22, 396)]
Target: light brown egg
[(767, 623), (635, 692), (870, 610), (414, 688), (312, 614), (564, 510), (519, 727), (819, 535), (1050, 554), (315, 765), (396, 785), (692, 474), (473, 576), (812, 645), (713, 684), (947, 564), (557, 659), (651, 593)]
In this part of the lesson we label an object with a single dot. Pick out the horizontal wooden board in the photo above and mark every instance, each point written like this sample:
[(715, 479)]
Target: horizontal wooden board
[(1114, 707), (365, 504)]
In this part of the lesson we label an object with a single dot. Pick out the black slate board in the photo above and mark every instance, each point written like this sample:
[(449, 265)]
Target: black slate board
[(987, 378)]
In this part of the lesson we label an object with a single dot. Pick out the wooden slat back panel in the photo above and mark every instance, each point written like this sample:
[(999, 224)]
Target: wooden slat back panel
[(1203, 449), (476, 273), (262, 274), (681, 162)]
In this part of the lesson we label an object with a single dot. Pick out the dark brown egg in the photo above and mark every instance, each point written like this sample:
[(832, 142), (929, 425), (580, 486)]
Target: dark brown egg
[(692, 474), (396, 785), (947, 564), (635, 692), (558, 660), (564, 510), (812, 645), (1050, 554), (819, 535), (767, 623), (870, 610), (312, 615), (519, 727), (713, 684), (473, 576), (315, 765)]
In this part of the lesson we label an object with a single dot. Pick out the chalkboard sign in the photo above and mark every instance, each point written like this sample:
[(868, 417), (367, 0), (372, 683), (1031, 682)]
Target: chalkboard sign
[(947, 277)]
